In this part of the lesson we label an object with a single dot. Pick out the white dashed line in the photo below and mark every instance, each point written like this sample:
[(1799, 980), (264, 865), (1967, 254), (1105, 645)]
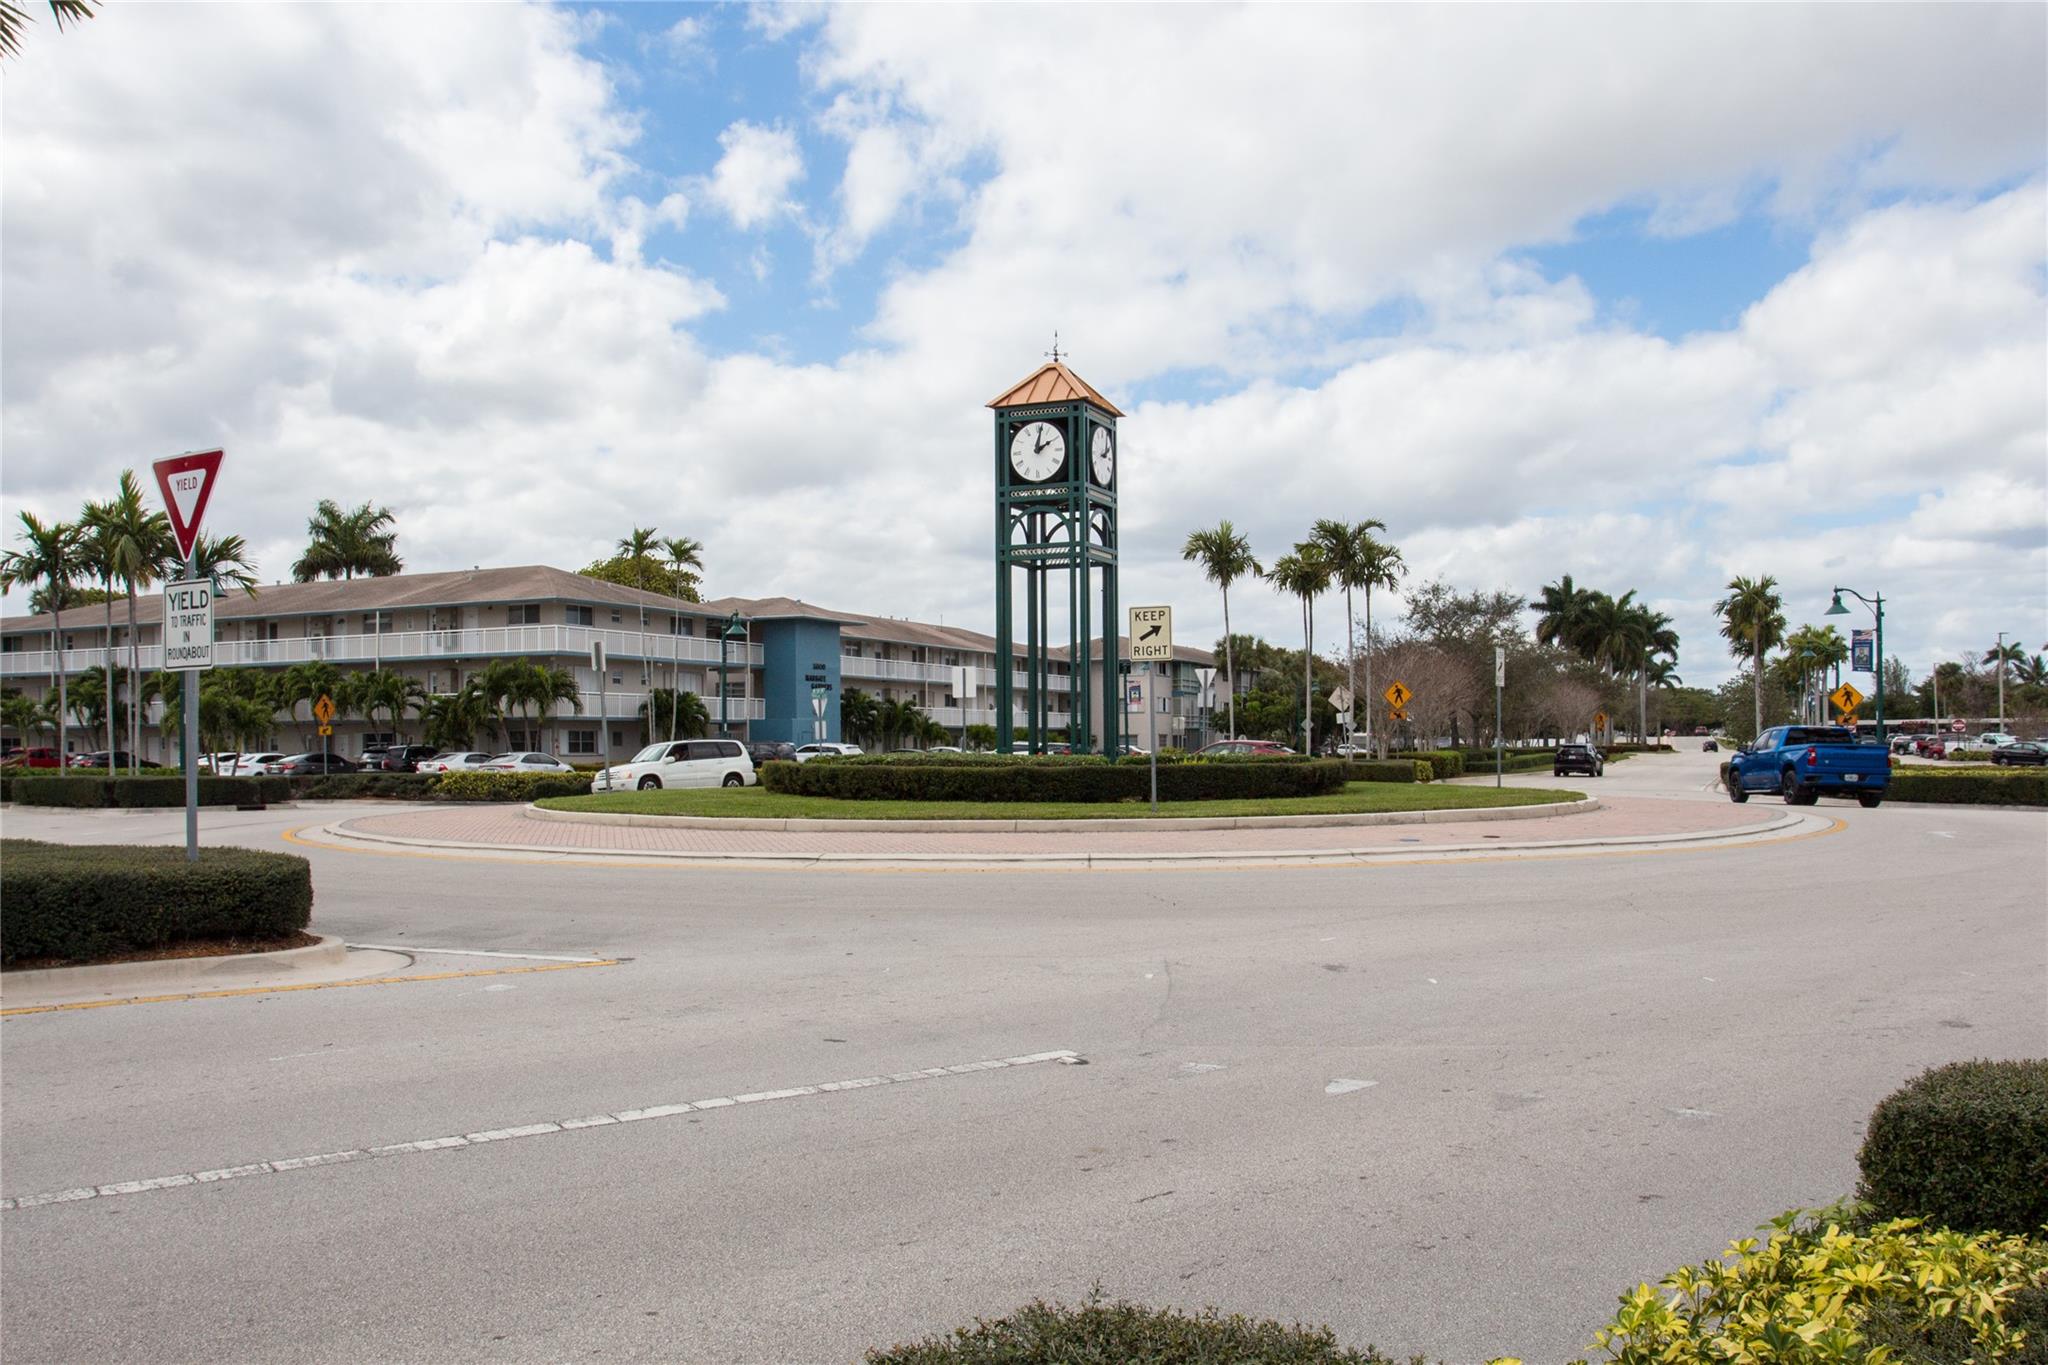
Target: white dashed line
[(490, 1135)]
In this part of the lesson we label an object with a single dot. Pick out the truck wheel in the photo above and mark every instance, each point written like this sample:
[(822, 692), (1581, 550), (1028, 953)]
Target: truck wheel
[(1789, 787), (1869, 800), (1735, 791), (650, 783)]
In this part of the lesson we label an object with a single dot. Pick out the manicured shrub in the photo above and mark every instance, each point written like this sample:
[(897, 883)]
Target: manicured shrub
[(1971, 787), (1963, 1146), (352, 786), (1512, 761), (1053, 1334), (77, 902), (509, 786), (1079, 779), (86, 793), (82, 793), (1442, 763), (1817, 1292), (1388, 770)]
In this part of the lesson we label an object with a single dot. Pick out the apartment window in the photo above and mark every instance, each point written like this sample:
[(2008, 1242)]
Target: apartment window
[(377, 623), (615, 616), (523, 614), (583, 741), (580, 616), (385, 738), (618, 738), (618, 680), (686, 625)]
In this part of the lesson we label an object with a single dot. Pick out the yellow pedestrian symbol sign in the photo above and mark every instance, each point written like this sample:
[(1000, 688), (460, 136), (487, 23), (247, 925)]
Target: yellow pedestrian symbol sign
[(323, 709), (1397, 694), (1599, 720), (1846, 698)]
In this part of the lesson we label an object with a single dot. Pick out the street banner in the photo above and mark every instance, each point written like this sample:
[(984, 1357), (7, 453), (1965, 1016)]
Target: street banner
[(1862, 651)]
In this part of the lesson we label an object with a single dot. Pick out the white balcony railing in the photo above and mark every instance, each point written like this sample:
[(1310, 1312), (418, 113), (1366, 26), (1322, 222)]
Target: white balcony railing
[(542, 642), (861, 666)]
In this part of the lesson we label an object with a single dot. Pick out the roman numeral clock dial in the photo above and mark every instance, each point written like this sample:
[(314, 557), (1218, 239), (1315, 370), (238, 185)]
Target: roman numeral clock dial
[(1038, 451)]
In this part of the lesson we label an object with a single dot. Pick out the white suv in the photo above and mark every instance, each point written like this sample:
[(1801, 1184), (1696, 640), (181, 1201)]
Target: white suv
[(682, 763)]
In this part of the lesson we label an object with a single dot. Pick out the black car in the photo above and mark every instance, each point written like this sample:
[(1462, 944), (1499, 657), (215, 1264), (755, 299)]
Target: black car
[(1577, 758), (769, 750), (2018, 755), (401, 758), (98, 759), (311, 765), (1710, 747)]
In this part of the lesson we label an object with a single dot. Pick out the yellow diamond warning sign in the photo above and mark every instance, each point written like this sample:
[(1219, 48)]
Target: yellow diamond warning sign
[(1846, 698), (1397, 694)]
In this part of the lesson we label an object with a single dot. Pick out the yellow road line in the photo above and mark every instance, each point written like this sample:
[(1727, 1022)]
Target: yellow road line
[(306, 986), (570, 858)]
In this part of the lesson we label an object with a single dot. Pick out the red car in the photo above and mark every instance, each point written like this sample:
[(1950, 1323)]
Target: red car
[(1242, 748), (33, 758)]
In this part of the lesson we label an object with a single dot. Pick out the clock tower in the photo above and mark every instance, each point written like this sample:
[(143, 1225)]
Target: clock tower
[(1056, 488)]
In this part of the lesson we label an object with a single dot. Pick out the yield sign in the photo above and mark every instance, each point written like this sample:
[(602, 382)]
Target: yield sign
[(186, 481)]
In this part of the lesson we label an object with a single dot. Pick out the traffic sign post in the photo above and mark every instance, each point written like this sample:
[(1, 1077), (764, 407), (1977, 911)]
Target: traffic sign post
[(819, 695), (1500, 681), (1599, 725), (1397, 697), (1846, 699), (1151, 631), (323, 711), (186, 483)]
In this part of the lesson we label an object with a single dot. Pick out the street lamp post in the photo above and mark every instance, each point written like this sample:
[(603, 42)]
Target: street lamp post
[(2001, 682), (1876, 604), (735, 629)]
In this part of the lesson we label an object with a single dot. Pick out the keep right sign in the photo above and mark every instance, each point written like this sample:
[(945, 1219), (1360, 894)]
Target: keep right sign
[(1151, 631)]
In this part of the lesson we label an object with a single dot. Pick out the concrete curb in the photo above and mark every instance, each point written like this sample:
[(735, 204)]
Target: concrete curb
[(1780, 825), (161, 973), (1140, 824)]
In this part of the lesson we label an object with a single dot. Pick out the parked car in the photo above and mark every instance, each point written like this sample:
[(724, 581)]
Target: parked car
[(1578, 758), (1930, 746), (98, 759), (527, 763), (1710, 747), (1993, 739), (33, 758), (1902, 744), (1807, 762), (945, 749), (2019, 754), (683, 763), (462, 761), (822, 749), (403, 758), (768, 750), (373, 757), (310, 765), (1242, 748)]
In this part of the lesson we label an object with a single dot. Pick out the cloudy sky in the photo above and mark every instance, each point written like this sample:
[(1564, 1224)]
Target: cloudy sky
[(1650, 296)]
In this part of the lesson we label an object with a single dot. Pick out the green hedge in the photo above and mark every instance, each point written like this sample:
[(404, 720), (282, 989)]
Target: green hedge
[(1974, 787), (1387, 770), (1053, 1334), (509, 786), (1442, 763), (349, 786), (942, 777), (79, 902), (1964, 1146), (1514, 761), (93, 793)]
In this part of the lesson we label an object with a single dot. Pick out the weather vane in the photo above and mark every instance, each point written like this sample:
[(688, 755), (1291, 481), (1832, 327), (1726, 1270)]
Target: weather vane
[(1055, 351)]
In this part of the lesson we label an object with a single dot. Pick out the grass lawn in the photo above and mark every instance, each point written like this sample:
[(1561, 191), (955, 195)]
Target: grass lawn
[(1356, 798)]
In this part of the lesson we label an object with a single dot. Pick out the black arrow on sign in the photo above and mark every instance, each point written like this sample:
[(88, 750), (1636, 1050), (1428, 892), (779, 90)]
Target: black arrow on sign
[(1148, 634)]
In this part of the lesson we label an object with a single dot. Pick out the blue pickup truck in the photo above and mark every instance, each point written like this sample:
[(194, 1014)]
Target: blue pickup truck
[(1803, 763)]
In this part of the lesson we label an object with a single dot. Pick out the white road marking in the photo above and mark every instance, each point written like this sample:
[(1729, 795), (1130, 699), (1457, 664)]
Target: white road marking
[(526, 1130), (473, 952), (1941, 834), (1695, 1113), (1344, 1086), (1198, 1068), (501, 986)]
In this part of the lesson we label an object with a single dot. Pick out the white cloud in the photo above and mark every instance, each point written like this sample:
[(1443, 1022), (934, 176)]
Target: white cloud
[(753, 178)]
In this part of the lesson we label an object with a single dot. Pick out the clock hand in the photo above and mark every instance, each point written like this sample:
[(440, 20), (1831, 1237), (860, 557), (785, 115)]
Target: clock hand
[(1040, 446)]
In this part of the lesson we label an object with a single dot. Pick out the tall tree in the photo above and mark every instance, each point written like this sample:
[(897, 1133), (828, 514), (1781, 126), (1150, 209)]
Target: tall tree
[(343, 544), (1655, 639), (14, 20), (1564, 606), (1752, 621), (1384, 568), (97, 557), (1225, 556), (1306, 574), (49, 558), (225, 560), (143, 549), (682, 714), (1347, 547)]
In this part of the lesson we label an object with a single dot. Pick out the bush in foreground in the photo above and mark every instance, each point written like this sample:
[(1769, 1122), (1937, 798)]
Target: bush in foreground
[(509, 786), (1388, 770), (1815, 1292), (1964, 1146), (1442, 763), (93, 793), (1083, 780), (1974, 787), (79, 902), (1099, 1333)]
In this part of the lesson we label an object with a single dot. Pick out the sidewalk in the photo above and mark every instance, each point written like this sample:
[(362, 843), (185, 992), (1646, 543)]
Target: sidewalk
[(1621, 822)]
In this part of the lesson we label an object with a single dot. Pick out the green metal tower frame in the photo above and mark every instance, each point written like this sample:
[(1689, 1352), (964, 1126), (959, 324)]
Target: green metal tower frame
[(1061, 533)]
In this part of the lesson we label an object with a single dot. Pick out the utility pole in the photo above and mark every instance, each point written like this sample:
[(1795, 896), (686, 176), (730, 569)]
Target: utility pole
[(2001, 682)]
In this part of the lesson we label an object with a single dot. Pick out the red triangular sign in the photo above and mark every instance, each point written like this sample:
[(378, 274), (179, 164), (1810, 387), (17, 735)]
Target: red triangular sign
[(186, 482)]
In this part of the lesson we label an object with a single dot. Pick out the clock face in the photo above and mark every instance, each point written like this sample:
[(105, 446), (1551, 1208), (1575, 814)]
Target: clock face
[(1038, 451), (1102, 457)]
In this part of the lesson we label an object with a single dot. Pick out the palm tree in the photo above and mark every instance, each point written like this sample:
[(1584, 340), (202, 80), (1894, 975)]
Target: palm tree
[(143, 551), (391, 693), (450, 720), (51, 561), (2032, 672), (546, 685), (682, 714), (1655, 639), (1563, 606), (1752, 621), (497, 688), (97, 558), (343, 544), (1225, 556), (88, 700), (22, 715), (1349, 550), (1305, 573), (686, 558), (307, 682), (225, 560), (858, 716)]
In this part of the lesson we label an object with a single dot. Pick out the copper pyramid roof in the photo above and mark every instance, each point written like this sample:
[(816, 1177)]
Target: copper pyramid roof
[(1053, 382)]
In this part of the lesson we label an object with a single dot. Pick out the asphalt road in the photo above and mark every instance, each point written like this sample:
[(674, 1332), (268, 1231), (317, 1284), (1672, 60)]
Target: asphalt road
[(1453, 1108)]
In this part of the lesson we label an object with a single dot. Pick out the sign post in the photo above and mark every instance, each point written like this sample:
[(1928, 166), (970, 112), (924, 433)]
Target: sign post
[(1500, 681), (1151, 632), (818, 697), (323, 711), (186, 483), (604, 725), (1397, 697), (1846, 699), (1599, 725)]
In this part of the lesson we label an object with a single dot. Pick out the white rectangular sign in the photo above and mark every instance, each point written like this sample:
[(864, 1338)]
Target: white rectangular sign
[(1500, 666), (1151, 634), (188, 624)]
